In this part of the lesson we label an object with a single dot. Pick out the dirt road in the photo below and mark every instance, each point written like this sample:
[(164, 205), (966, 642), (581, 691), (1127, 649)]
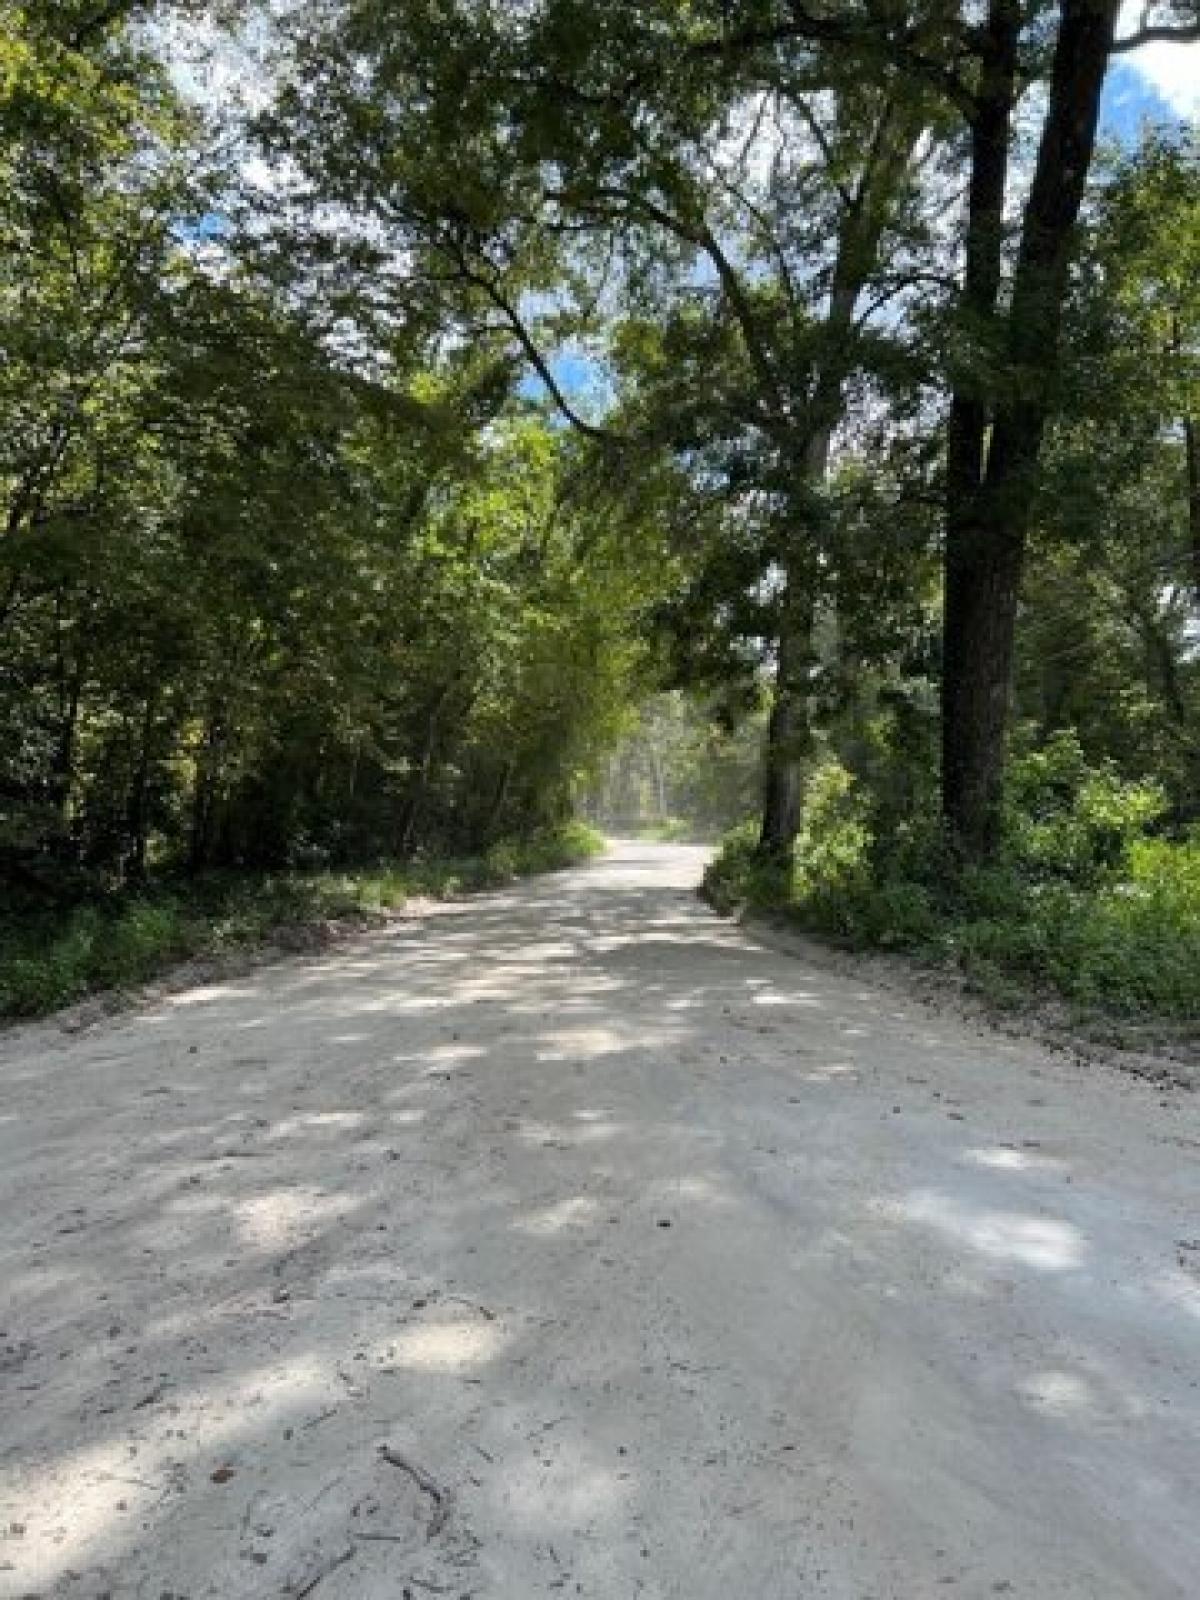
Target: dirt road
[(564, 1242)]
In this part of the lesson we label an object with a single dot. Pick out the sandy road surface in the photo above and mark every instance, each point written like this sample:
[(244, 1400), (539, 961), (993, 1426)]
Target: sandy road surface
[(660, 1264)]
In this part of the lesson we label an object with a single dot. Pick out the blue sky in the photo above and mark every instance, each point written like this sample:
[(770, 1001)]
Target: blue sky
[(1131, 98)]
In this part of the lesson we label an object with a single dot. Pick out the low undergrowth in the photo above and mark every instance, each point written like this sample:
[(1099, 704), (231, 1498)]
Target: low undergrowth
[(1083, 899), (672, 830), (53, 958)]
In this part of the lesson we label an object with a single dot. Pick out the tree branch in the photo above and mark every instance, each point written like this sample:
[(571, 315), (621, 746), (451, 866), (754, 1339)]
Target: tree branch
[(898, 46), (700, 235), (1158, 33), (487, 283), (97, 23), (822, 139)]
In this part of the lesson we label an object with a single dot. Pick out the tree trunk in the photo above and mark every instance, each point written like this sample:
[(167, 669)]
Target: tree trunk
[(136, 808), (982, 583), (1164, 666), (62, 774), (69, 673), (991, 486), (205, 791), (868, 210), (1191, 446), (789, 731), (8, 604), (972, 662), (411, 816), (499, 798), (660, 781)]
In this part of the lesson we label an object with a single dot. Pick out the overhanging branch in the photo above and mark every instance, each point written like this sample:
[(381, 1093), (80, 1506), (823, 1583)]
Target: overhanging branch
[(1159, 33), (487, 283)]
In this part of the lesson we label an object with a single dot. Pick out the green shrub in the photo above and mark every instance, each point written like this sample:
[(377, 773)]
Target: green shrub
[(740, 875), (894, 915), (671, 830), (1066, 819), (1077, 898), (30, 986), (135, 945), (1135, 946), (502, 862), (832, 867), (561, 846)]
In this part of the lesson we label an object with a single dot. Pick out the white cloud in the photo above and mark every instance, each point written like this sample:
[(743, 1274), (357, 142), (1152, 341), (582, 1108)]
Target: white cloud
[(1172, 71)]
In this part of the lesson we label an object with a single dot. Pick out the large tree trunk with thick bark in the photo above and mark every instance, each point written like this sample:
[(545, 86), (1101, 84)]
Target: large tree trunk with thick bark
[(1191, 448), (982, 584), (789, 730), (996, 432), (974, 657)]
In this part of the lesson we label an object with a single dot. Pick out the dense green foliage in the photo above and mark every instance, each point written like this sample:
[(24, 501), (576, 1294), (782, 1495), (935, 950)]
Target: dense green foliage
[(1081, 898), (263, 602)]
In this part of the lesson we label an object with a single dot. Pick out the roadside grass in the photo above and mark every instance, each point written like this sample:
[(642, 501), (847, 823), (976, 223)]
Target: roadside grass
[(672, 830), (53, 958)]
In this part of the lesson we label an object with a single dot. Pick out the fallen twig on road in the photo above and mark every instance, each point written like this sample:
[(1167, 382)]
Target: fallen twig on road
[(321, 1574), (439, 1496)]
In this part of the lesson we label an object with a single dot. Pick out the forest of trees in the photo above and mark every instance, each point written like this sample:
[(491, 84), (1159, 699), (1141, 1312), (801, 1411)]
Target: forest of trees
[(683, 771), (395, 396)]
